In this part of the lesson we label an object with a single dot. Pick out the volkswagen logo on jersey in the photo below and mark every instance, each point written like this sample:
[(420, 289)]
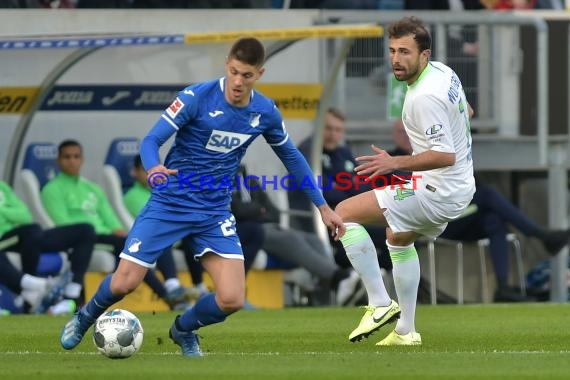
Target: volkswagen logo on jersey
[(225, 142)]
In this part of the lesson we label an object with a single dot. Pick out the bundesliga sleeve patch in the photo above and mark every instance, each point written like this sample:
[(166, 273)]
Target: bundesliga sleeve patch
[(175, 108)]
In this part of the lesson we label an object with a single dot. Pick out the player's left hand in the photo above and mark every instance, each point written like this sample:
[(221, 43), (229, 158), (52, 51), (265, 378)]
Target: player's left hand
[(333, 222), (378, 164)]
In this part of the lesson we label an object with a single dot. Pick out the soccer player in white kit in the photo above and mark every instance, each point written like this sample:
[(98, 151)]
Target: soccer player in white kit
[(436, 118)]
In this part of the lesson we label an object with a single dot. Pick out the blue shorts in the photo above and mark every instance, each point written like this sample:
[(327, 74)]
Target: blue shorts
[(151, 235)]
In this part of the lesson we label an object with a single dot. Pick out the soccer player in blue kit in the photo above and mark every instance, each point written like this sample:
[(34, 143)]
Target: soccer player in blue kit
[(214, 123)]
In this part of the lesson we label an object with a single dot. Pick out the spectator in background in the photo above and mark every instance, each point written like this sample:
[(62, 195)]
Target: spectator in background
[(77, 239), (204, 4), (69, 198), (491, 220), (426, 4), (113, 4), (334, 4), (508, 4), (34, 294), (550, 4), (254, 210)]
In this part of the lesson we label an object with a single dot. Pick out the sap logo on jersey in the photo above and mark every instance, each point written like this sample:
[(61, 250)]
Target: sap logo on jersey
[(224, 142), (175, 108)]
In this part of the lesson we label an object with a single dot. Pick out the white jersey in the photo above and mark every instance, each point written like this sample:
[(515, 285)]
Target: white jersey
[(435, 116)]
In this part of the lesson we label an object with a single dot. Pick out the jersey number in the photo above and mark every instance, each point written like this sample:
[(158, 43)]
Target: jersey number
[(228, 226)]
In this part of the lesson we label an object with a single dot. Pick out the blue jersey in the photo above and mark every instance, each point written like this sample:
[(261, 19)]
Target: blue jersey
[(212, 137)]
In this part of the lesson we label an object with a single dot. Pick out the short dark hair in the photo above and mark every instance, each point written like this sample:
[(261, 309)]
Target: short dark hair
[(336, 113), (248, 50), (66, 143), (411, 25)]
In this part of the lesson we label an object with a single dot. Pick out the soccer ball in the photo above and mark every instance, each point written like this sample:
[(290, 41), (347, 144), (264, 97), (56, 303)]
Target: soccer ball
[(118, 334)]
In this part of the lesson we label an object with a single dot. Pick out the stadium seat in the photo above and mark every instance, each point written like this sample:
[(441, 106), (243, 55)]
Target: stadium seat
[(40, 165), (482, 246), (514, 241), (117, 177)]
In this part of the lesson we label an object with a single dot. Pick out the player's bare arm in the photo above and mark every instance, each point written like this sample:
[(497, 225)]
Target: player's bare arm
[(383, 163)]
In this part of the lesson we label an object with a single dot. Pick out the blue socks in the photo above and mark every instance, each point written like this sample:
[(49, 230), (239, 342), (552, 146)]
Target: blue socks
[(101, 300), (205, 312)]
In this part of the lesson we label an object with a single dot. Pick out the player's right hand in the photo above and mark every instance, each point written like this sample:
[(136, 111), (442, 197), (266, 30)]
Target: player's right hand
[(159, 169), (375, 165)]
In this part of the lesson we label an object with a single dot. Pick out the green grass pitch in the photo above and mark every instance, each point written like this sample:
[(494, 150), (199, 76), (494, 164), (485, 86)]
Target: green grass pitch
[(522, 341)]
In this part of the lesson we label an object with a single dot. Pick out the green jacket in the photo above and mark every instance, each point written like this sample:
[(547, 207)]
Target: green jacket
[(135, 198), (70, 200), (13, 212)]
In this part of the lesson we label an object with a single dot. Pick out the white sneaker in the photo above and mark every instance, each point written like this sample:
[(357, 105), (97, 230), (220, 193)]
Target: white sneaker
[(65, 306), (53, 292), (347, 288)]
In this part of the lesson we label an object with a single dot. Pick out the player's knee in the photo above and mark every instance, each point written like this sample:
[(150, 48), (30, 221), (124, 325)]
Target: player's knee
[(230, 302), (341, 209), (122, 289), (123, 285), (399, 239)]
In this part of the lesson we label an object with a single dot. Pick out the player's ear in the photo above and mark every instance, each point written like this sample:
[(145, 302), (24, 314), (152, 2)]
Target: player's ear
[(261, 71), (425, 55)]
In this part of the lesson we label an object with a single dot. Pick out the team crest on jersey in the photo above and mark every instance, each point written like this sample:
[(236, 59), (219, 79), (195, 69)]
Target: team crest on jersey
[(175, 108), (254, 119), (134, 245), (225, 142), (434, 129)]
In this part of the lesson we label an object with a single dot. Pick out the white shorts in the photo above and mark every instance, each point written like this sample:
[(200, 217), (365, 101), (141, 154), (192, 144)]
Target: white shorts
[(411, 210)]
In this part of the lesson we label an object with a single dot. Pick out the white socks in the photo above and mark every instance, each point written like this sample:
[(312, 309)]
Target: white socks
[(72, 290), (362, 255), (172, 284), (406, 274), (34, 283), (32, 297)]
